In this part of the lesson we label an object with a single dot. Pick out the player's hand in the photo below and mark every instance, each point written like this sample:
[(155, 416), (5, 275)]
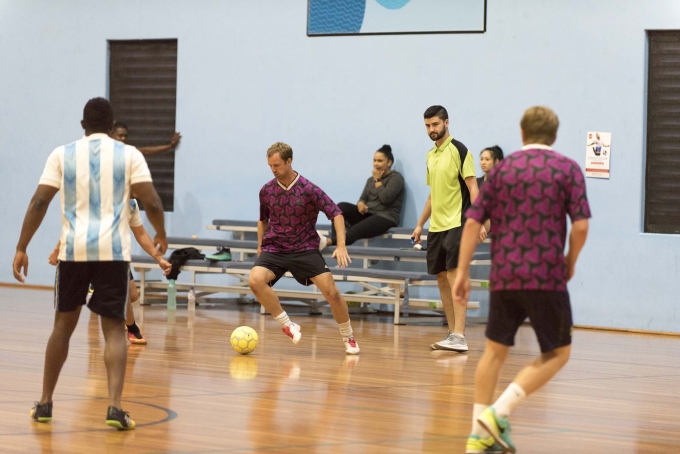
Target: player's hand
[(176, 137), (482, 234), (362, 207), (461, 289), (341, 255), (20, 262), (165, 266), (259, 251), (53, 257), (161, 243), (415, 236), (377, 174)]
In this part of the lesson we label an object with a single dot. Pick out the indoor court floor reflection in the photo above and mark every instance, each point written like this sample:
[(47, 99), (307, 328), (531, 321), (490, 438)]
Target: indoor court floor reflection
[(189, 392)]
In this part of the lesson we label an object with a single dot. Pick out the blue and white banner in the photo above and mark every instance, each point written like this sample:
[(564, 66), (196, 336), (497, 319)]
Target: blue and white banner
[(352, 17)]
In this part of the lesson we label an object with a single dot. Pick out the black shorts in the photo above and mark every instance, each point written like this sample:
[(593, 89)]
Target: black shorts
[(302, 265), (109, 279), (442, 250), (132, 276), (549, 313)]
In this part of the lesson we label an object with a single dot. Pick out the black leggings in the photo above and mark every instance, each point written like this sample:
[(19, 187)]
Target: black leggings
[(361, 225)]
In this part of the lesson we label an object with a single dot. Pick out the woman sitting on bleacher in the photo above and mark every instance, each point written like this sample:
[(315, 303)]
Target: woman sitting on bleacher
[(379, 206)]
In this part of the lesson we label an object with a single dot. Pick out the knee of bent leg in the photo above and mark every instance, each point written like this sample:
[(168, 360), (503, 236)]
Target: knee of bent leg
[(563, 354), (496, 351), (256, 281), (334, 294)]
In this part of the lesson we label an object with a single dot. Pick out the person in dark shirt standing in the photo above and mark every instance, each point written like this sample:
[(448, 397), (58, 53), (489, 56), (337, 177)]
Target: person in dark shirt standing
[(287, 241), (527, 197), (379, 206), (488, 158)]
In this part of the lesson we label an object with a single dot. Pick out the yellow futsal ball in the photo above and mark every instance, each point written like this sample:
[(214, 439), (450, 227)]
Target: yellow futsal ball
[(244, 340)]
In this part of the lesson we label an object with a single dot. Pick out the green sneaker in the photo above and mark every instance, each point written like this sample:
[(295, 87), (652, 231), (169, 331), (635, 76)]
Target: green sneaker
[(476, 445), (223, 255), (499, 428)]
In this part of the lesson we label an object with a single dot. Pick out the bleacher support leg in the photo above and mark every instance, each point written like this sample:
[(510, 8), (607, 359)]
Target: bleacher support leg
[(406, 299), (397, 303), (142, 288)]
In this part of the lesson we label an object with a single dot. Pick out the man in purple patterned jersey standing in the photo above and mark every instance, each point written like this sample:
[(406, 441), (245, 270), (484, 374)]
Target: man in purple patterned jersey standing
[(527, 197), (287, 241)]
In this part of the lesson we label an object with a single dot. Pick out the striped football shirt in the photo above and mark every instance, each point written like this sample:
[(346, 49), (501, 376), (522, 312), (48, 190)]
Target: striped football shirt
[(94, 175)]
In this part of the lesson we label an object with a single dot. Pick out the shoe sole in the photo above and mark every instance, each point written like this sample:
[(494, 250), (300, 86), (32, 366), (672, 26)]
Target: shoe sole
[(137, 342), (40, 418), (497, 436), (351, 351), (118, 425), (457, 350)]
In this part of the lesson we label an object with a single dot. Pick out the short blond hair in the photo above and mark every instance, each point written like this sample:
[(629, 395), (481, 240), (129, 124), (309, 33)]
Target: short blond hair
[(284, 150), (539, 124)]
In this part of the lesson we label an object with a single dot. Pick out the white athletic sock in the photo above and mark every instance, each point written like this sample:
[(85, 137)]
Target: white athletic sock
[(322, 241), (283, 319), (345, 330), (477, 428), (511, 397)]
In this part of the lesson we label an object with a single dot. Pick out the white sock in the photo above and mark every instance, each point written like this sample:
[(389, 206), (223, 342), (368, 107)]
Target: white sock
[(477, 428), (511, 397), (283, 319), (345, 330), (322, 241)]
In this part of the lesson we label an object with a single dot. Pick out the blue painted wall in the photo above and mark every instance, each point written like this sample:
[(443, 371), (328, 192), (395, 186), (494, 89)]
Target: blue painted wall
[(249, 76)]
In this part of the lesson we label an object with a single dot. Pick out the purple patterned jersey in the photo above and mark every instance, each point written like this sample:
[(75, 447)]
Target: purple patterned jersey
[(527, 197), (291, 213)]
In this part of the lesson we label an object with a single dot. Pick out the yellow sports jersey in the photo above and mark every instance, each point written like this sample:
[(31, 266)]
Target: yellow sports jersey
[(447, 168)]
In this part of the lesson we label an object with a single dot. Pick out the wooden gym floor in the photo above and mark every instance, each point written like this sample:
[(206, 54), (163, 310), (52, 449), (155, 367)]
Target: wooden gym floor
[(189, 392)]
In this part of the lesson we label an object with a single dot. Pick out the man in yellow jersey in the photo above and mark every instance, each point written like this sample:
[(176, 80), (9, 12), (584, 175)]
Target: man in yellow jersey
[(453, 187)]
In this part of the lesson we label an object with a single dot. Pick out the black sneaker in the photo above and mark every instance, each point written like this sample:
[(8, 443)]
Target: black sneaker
[(42, 412), (119, 419)]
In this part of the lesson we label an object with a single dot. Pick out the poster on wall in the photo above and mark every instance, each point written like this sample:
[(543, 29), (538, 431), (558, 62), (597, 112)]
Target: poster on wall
[(388, 17), (598, 154)]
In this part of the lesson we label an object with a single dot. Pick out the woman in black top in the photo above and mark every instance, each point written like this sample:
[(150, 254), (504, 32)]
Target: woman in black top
[(488, 158), (379, 206)]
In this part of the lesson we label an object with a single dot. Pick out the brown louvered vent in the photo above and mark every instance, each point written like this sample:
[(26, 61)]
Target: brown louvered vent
[(143, 93), (662, 177)]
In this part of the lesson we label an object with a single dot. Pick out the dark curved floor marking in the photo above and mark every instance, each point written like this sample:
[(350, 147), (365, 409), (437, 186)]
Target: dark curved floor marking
[(170, 415)]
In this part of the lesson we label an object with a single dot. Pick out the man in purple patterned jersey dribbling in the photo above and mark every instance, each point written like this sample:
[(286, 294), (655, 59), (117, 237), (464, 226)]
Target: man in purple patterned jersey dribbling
[(528, 197), (287, 241)]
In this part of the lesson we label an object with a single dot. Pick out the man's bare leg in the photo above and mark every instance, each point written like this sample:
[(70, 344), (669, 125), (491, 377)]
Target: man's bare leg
[(259, 280), (57, 350), (115, 358), (459, 312), (330, 291)]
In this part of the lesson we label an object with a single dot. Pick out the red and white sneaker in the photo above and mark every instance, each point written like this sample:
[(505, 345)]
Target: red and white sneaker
[(293, 331), (136, 338), (351, 346)]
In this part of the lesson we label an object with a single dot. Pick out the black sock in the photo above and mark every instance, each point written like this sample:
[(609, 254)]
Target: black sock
[(134, 329)]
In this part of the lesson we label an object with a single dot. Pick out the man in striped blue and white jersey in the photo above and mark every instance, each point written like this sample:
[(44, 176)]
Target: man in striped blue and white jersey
[(95, 176)]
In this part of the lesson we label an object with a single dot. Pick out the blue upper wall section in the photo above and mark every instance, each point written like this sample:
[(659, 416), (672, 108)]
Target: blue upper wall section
[(249, 76)]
